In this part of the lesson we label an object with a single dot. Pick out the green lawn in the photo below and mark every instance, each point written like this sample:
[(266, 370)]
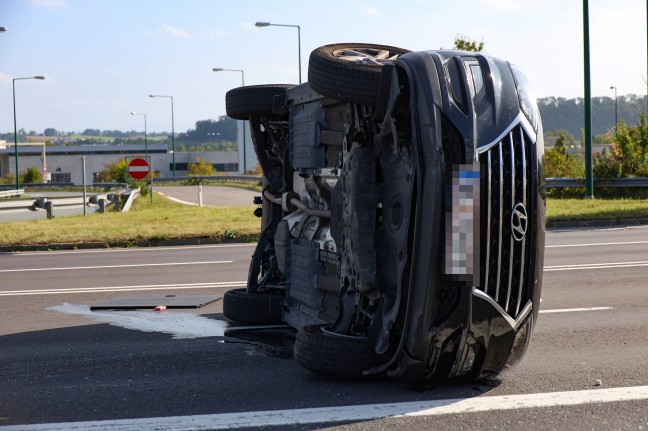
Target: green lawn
[(166, 220), (595, 209)]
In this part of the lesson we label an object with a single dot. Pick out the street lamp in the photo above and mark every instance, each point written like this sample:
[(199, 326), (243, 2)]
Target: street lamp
[(267, 24), (220, 69), (616, 111), (172, 131), (145, 144), (15, 128), (3, 29)]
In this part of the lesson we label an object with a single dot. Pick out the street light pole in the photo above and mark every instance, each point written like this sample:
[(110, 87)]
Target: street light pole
[(145, 143), (589, 179), (267, 24), (172, 131), (616, 110), (220, 69), (16, 128)]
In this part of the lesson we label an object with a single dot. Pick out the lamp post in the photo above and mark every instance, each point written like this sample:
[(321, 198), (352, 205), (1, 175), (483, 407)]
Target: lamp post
[(267, 24), (589, 179), (616, 111), (220, 69), (172, 131), (16, 128), (145, 143), (3, 29)]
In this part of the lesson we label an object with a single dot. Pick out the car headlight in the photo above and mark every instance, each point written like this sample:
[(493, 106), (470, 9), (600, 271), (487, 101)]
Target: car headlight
[(526, 95)]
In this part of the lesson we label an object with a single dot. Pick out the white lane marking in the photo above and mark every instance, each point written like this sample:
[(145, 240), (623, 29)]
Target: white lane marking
[(69, 268), (596, 244), (134, 288), (575, 310), (609, 265), (179, 325), (128, 249), (176, 200), (323, 415)]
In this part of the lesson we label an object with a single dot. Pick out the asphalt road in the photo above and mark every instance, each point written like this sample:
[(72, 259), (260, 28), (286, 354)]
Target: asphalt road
[(586, 368), (211, 195)]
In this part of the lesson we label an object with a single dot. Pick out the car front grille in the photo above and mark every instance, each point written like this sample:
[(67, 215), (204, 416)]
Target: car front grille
[(507, 202)]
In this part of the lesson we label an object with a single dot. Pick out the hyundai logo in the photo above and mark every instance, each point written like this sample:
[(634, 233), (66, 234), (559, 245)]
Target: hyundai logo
[(519, 222)]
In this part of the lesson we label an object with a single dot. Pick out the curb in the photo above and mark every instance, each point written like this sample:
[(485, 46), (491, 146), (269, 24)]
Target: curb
[(127, 244), (597, 223)]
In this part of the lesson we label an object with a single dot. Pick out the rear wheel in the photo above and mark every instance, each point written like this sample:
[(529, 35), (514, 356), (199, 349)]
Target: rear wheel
[(242, 103), (254, 308), (327, 353), (350, 72)]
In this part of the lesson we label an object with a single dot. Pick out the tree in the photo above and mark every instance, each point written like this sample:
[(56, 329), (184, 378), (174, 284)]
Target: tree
[(91, 132), (462, 43), (31, 176), (202, 168), (631, 148), (114, 172), (223, 129), (50, 131)]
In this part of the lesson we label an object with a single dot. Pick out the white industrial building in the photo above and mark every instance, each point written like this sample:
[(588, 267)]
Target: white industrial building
[(65, 163)]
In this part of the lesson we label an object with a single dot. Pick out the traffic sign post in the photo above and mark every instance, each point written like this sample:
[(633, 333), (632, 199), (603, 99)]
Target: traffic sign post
[(139, 167)]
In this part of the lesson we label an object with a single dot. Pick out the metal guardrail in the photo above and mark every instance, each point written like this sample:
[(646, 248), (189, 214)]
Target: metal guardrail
[(49, 204), (10, 193), (232, 178), (130, 198), (612, 182), (109, 185), (37, 185)]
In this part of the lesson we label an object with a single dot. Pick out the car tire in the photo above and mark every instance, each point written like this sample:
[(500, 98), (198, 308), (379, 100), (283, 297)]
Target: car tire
[(252, 308), (324, 353), (333, 72), (242, 103)]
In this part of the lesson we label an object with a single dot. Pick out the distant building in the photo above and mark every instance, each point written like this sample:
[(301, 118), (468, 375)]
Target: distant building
[(64, 163)]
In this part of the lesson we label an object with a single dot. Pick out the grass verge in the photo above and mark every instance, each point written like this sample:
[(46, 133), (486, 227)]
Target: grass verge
[(559, 210), (144, 223), (168, 221)]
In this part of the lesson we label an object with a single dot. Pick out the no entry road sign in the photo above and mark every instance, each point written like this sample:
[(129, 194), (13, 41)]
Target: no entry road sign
[(138, 168)]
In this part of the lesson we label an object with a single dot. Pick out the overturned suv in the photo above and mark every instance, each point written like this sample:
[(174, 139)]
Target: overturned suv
[(403, 212)]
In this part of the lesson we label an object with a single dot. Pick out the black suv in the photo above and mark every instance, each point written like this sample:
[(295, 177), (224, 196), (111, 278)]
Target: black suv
[(403, 212)]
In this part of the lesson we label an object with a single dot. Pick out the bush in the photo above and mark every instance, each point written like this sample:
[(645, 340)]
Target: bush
[(31, 176)]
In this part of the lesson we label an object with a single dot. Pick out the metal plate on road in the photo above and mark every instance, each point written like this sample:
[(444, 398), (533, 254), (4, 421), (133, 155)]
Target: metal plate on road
[(150, 302)]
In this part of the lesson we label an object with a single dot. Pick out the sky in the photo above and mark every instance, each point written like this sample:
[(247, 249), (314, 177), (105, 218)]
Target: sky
[(103, 58)]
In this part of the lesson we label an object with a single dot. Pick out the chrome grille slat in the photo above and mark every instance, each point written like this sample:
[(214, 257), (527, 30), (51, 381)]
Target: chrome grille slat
[(501, 214), (511, 241), (489, 216), (523, 143)]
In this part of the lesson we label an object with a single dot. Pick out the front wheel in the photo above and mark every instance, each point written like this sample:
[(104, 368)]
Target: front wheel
[(338, 355), (252, 308), (350, 72), (241, 103)]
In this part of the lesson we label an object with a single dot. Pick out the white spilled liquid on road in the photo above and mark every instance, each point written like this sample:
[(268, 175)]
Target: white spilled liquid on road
[(179, 325)]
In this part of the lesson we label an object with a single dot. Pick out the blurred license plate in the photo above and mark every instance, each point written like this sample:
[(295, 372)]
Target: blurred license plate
[(461, 260)]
